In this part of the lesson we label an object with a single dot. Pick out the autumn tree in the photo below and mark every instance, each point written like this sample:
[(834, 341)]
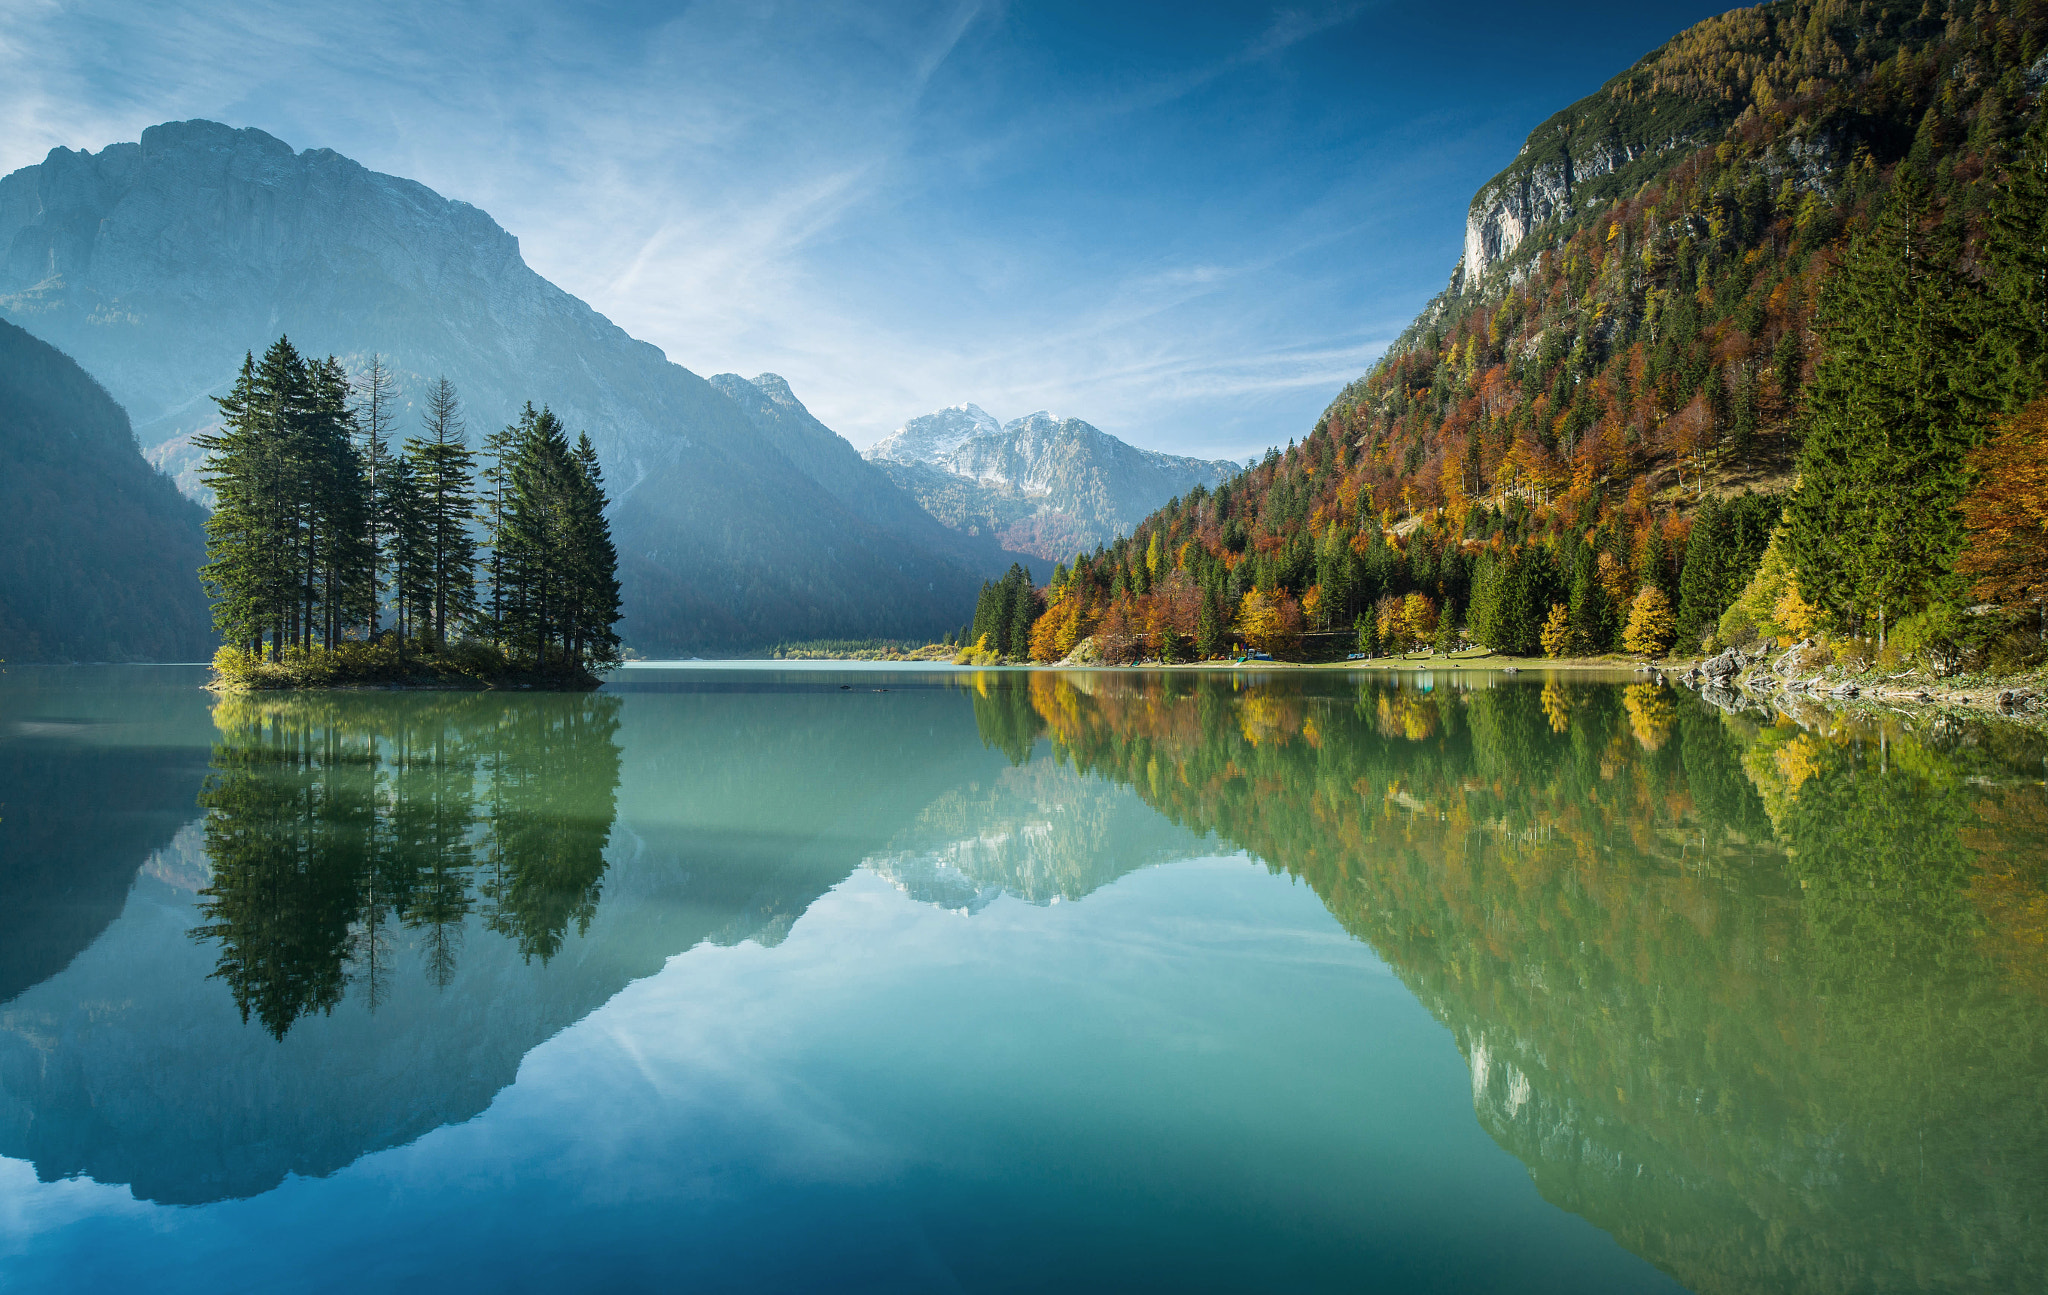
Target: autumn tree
[(1650, 623), (2006, 514)]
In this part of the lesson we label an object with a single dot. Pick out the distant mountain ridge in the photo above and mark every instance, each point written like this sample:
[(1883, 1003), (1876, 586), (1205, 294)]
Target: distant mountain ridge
[(1040, 484), (158, 264), (831, 461)]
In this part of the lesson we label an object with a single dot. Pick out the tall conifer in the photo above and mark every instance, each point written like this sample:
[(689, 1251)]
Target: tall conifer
[(1890, 415)]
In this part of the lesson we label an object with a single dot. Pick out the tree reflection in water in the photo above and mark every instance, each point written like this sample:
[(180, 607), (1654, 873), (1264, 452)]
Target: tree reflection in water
[(1767, 1002), (331, 820)]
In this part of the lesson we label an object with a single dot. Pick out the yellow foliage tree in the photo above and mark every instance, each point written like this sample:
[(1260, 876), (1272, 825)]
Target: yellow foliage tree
[(1269, 622), (1418, 620), (1770, 605), (1054, 633), (1651, 623), (1557, 631)]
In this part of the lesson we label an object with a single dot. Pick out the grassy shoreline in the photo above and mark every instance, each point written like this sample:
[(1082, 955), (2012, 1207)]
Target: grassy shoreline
[(388, 666)]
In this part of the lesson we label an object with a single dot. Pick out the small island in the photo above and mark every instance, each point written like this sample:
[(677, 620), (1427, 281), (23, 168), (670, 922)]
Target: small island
[(501, 578)]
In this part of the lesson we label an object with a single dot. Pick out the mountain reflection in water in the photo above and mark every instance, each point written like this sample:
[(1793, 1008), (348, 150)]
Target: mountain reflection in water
[(1766, 1002)]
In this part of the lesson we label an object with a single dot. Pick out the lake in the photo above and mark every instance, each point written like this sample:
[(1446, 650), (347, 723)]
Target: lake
[(769, 978)]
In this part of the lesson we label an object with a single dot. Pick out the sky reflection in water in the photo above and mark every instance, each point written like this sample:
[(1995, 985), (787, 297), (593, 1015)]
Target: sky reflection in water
[(807, 987)]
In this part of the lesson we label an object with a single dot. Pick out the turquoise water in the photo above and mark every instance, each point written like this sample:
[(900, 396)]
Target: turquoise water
[(806, 979)]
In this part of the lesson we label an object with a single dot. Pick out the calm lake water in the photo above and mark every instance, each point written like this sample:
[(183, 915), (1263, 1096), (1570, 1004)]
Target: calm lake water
[(773, 979)]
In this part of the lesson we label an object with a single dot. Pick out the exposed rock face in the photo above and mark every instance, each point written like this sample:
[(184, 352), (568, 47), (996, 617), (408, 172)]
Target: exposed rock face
[(1525, 196), (1600, 148), (157, 265), (1043, 485)]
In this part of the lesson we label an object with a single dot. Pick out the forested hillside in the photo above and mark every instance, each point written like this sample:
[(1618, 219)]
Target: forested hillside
[(97, 549), (1801, 245)]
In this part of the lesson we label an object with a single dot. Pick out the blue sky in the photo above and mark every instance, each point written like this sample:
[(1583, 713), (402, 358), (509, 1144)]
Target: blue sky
[(1188, 224)]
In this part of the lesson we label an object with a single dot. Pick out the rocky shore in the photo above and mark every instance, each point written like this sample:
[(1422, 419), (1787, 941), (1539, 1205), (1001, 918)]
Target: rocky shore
[(1804, 673)]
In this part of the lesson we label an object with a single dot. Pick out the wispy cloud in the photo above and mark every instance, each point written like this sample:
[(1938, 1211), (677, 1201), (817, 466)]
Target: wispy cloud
[(896, 206)]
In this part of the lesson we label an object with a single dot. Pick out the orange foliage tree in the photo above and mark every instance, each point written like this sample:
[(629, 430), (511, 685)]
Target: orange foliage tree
[(2006, 514)]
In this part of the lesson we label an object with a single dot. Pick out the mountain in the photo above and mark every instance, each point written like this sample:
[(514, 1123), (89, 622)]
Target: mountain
[(1798, 218), (99, 554), (1041, 485), (865, 488), (159, 264)]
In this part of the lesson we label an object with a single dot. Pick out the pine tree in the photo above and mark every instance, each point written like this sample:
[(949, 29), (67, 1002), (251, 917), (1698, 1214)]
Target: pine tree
[(2014, 332), (534, 530), (1021, 613), (1890, 414), (443, 467), (1211, 626), (285, 550), (1590, 612), (408, 556), (376, 413), (243, 571), (593, 564), (492, 508)]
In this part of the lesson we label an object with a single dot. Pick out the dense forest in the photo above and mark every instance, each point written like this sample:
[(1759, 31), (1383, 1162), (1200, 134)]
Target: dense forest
[(96, 548), (323, 523), (1769, 376)]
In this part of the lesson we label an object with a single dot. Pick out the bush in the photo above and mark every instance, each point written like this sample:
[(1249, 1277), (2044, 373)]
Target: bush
[(1934, 639), (386, 662)]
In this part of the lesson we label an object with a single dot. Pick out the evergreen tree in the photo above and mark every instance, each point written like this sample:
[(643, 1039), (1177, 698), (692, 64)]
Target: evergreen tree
[(1212, 627), (492, 509), (593, 564), (1589, 611), (246, 571), (2014, 334), (1017, 645), (1890, 415), (376, 414), (285, 555), (556, 585), (443, 472), (408, 554)]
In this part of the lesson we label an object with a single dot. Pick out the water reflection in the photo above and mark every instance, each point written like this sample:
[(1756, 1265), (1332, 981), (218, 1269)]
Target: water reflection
[(1764, 1001), (333, 822)]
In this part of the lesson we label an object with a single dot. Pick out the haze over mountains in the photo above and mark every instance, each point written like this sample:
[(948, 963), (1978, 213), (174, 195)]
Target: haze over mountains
[(157, 265), (1040, 484)]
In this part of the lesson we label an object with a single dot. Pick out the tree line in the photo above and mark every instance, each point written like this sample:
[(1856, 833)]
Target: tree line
[(324, 524)]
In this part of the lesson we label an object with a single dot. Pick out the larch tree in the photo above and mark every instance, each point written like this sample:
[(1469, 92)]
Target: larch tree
[(2006, 515)]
